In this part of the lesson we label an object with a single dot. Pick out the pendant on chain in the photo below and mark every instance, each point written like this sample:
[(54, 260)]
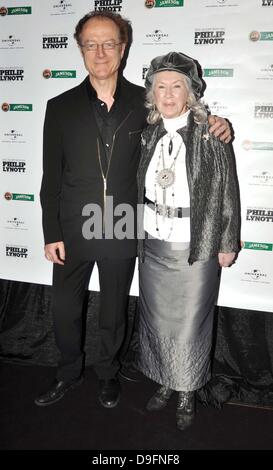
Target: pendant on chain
[(170, 149), (165, 178)]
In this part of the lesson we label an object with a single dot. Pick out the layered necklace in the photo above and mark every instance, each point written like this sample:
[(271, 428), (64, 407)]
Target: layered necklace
[(165, 173), (164, 179)]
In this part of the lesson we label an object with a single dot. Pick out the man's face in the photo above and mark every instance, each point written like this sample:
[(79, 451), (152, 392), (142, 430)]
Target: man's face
[(101, 63)]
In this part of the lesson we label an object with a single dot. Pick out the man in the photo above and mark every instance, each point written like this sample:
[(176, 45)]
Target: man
[(91, 151)]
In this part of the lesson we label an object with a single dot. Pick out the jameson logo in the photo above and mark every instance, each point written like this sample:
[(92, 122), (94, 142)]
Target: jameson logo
[(209, 36), (16, 107), (15, 11), (267, 3), (55, 42), (250, 145), (257, 246), (261, 36), (266, 36), (218, 73), (263, 111), (18, 197), (110, 5), (259, 215), (22, 197), (163, 3), (14, 166), (17, 251), (59, 73), (14, 74)]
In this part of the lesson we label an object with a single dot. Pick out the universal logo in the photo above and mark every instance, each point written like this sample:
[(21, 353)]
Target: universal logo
[(15, 11), (255, 275), (62, 8), (251, 145), (259, 214), (15, 224), (55, 42), (163, 3), (267, 73), (157, 37), (108, 5), (16, 107), (264, 178), (218, 108), (47, 73), (14, 166), (13, 136), (11, 42), (263, 111), (261, 36), (211, 36), (17, 251), (11, 74), (220, 3)]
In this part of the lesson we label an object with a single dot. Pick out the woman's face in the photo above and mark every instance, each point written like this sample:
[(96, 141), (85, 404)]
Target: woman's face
[(170, 93)]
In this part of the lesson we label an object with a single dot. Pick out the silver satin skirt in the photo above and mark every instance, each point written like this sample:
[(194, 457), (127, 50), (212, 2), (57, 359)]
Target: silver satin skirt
[(176, 315)]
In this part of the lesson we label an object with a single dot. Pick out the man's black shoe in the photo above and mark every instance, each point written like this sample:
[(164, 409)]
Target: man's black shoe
[(57, 391), (109, 393)]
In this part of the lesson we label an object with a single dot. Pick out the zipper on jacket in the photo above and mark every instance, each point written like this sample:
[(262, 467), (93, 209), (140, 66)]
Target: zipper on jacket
[(105, 176)]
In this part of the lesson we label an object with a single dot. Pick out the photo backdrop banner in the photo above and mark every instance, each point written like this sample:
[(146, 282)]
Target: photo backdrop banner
[(233, 42)]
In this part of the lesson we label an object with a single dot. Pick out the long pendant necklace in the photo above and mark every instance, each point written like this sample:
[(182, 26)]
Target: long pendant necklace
[(164, 179)]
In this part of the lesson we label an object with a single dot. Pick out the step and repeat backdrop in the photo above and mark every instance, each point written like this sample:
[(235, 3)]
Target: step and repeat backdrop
[(233, 42)]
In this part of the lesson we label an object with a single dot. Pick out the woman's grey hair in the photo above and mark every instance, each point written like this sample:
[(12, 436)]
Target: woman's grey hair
[(198, 108)]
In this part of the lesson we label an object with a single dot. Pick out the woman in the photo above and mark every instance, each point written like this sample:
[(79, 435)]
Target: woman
[(187, 180)]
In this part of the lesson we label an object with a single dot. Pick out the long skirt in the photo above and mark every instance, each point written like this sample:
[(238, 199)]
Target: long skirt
[(176, 316)]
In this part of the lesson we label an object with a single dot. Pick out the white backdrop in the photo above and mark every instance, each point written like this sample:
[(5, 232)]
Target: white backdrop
[(233, 42)]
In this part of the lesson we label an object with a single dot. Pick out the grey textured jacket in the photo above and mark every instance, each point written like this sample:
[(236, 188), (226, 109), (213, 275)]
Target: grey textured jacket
[(213, 188)]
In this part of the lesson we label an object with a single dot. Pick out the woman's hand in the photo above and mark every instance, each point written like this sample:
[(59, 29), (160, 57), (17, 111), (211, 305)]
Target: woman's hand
[(226, 259)]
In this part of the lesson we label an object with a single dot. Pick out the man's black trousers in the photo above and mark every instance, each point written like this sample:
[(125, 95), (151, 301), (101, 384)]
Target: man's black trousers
[(69, 285)]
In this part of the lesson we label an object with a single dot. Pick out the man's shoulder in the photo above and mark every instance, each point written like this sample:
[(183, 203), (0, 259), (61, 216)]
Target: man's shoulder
[(69, 95), (135, 90)]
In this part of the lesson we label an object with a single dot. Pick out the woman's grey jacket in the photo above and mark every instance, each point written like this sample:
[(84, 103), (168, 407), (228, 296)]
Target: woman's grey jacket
[(213, 188)]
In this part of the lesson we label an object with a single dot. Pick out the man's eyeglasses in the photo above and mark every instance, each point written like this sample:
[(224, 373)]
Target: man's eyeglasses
[(106, 46)]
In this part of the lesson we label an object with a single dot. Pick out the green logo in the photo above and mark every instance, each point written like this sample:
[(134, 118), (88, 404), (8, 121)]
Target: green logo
[(218, 72), (20, 107), (169, 3), (22, 197), (63, 73), (19, 11), (257, 246), (250, 145), (266, 36)]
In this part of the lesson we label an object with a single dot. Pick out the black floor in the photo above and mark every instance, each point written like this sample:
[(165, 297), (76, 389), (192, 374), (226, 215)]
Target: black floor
[(78, 421)]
